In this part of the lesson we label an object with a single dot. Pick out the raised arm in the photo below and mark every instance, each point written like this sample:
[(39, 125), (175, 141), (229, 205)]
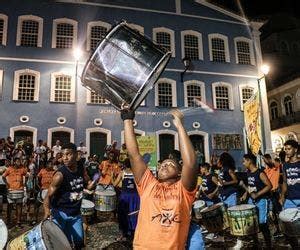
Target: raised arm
[(54, 186), (138, 165), (189, 169)]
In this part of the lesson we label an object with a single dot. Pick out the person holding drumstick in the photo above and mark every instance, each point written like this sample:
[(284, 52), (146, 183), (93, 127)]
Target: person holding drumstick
[(65, 193), (258, 187), (164, 216)]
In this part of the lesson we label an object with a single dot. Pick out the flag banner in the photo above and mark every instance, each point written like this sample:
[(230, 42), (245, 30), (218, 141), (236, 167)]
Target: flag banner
[(147, 147), (252, 117)]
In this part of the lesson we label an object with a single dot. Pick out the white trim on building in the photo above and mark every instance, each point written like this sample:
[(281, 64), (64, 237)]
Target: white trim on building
[(230, 94), (196, 83), (5, 24), (59, 129), (225, 39), (89, 28), (246, 86), (68, 21), (170, 132), (250, 43), (200, 43), (40, 30), (17, 79), (12, 131), (174, 91), (168, 31), (206, 141), (52, 88), (88, 132)]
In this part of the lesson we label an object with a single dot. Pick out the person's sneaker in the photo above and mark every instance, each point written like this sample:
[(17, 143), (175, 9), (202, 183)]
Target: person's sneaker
[(210, 236)]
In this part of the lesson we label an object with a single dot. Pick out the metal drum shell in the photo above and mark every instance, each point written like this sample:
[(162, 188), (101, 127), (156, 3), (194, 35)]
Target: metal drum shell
[(290, 228), (197, 207), (87, 207), (3, 234), (105, 201)]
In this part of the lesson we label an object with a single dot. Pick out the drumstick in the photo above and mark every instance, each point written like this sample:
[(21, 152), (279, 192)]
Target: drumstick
[(133, 213)]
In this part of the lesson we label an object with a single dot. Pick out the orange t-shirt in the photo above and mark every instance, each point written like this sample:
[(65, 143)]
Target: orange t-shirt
[(164, 216), (46, 177), (108, 172), (273, 175), (14, 177)]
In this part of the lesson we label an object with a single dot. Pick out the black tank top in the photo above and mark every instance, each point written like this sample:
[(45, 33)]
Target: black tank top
[(255, 184)]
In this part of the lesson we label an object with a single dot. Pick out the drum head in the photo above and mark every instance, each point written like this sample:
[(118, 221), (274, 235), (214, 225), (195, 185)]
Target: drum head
[(199, 203), (106, 193), (211, 208), (53, 237), (241, 207), (290, 215), (3, 234), (87, 204)]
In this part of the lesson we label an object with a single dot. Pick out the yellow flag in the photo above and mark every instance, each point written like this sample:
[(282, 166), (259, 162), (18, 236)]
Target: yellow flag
[(252, 116)]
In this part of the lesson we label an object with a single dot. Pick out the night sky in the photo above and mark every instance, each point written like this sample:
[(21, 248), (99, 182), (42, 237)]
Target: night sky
[(261, 9)]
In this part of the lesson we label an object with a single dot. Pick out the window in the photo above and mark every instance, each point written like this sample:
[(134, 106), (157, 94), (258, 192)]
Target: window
[(288, 105), (3, 29), (191, 45), (94, 98), (26, 85), (193, 90), (62, 88), (64, 33), (246, 93), (96, 31), (284, 48), (222, 96), (165, 38), (165, 93), (30, 31), (244, 51), (274, 110), (218, 48)]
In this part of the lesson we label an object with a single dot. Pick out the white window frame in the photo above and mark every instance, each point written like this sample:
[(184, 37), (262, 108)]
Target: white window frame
[(197, 83), (52, 88), (5, 24), (54, 30), (278, 108), (225, 39), (172, 36), (88, 99), (59, 129), (166, 131), (282, 102), (245, 86), (250, 42), (174, 92), (29, 18), (206, 141), (12, 131), (88, 132), (230, 94), (137, 27), (16, 84), (200, 44), (89, 29)]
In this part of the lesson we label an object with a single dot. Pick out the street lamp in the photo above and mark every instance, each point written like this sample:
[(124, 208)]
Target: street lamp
[(187, 63)]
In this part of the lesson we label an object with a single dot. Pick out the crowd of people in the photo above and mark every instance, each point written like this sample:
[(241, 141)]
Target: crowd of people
[(155, 211)]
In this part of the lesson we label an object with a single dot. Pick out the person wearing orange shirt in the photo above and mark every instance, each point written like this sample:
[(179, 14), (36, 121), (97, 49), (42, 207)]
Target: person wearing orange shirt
[(272, 170), (164, 216), (14, 178), (45, 177)]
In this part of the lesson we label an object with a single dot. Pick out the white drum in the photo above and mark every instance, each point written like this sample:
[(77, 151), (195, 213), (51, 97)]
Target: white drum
[(105, 201), (41, 195), (290, 221), (87, 207), (3, 234), (197, 207), (15, 194)]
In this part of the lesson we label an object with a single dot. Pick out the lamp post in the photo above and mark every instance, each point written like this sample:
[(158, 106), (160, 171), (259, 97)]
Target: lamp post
[(265, 70), (187, 63)]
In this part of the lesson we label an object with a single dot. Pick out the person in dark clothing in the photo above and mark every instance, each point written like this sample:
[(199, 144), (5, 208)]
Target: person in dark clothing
[(28, 147), (259, 187), (65, 193)]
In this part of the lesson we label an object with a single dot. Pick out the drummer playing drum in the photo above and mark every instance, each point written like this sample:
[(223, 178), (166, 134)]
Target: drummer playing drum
[(15, 177)]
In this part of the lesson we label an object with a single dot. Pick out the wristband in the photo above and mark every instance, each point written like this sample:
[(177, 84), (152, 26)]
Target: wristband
[(127, 114)]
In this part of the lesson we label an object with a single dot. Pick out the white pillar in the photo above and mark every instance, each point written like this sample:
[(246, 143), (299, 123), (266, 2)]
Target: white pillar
[(178, 6), (267, 146)]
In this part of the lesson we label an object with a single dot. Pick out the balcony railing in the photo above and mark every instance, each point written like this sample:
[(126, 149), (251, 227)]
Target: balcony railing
[(285, 121)]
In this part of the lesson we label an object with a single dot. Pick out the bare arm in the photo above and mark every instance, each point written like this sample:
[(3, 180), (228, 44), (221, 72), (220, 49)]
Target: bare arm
[(234, 179), (267, 188), (283, 189), (54, 186), (189, 169), (138, 165)]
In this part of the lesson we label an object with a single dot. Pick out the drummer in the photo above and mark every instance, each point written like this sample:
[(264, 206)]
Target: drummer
[(209, 189), (15, 177), (290, 194), (259, 187), (164, 216), (44, 177), (65, 193)]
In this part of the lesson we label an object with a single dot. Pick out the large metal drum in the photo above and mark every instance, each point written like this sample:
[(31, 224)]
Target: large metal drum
[(124, 67), (87, 207), (46, 235), (290, 221), (15, 194), (105, 201), (3, 234)]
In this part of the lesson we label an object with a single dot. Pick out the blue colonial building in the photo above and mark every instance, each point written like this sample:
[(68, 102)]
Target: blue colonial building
[(41, 92)]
